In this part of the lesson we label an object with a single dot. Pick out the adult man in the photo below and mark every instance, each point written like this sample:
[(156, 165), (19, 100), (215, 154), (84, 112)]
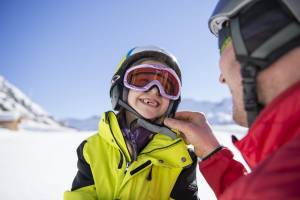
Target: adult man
[(259, 44)]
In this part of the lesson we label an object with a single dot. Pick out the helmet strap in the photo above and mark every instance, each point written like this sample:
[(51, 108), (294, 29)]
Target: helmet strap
[(147, 124), (248, 73), (115, 96)]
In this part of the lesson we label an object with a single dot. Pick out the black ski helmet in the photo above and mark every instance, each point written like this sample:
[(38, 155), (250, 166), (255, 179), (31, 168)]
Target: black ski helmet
[(261, 32), (134, 55)]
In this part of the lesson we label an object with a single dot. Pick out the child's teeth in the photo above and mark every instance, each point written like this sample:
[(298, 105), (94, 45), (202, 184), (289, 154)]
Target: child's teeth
[(147, 101)]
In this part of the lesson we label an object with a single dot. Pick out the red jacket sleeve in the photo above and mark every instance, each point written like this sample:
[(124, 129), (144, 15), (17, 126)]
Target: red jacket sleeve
[(221, 170)]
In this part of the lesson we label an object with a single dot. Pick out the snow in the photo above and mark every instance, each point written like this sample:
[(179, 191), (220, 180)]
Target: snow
[(43, 126), (37, 165), (41, 165)]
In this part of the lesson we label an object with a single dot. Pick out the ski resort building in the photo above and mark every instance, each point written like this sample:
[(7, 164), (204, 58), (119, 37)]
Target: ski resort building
[(10, 120)]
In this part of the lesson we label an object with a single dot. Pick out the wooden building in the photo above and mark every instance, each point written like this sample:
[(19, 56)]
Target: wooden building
[(10, 120)]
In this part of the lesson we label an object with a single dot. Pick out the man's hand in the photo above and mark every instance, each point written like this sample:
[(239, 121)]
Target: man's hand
[(195, 130)]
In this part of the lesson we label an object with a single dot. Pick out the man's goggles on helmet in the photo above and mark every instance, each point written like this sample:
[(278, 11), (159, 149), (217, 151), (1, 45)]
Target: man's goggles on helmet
[(143, 77)]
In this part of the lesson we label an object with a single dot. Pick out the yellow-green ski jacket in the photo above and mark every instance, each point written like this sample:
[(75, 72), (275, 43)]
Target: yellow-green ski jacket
[(164, 169)]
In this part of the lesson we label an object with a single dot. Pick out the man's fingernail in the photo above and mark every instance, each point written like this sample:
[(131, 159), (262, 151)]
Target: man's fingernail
[(167, 120)]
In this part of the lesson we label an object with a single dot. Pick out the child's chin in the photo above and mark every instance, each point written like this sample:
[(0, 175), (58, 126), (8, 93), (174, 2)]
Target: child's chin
[(150, 117)]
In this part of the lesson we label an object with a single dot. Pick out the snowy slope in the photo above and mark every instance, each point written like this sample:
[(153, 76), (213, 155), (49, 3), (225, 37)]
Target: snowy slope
[(42, 165), (88, 124), (12, 100)]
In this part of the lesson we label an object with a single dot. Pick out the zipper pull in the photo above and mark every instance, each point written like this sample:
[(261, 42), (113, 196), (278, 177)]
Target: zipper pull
[(139, 168), (127, 166), (149, 177)]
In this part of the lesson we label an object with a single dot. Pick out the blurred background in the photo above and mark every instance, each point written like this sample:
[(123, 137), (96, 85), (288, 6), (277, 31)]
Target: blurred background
[(62, 54), (56, 61)]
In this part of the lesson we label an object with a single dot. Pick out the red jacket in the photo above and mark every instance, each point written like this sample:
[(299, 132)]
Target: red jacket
[(272, 150)]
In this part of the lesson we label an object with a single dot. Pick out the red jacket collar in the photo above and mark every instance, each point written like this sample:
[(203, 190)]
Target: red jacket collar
[(278, 123)]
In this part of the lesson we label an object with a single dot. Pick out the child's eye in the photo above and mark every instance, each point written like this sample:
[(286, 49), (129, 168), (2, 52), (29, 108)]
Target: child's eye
[(144, 81)]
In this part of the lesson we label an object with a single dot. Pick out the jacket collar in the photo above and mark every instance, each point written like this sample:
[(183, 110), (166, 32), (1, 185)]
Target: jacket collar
[(277, 124), (161, 148)]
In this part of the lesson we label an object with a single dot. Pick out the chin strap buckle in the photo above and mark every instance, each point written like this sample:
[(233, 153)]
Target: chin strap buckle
[(252, 106)]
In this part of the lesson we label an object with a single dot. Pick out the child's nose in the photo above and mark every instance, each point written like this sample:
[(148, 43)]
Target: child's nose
[(154, 90)]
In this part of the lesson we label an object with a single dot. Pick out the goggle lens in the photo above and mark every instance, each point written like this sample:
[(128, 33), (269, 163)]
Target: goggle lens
[(143, 77)]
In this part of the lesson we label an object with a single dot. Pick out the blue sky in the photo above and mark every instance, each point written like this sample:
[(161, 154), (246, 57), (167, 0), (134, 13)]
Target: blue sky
[(62, 53)]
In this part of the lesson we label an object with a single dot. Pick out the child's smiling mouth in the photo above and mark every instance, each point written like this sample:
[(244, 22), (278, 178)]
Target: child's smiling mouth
[(150, 102)]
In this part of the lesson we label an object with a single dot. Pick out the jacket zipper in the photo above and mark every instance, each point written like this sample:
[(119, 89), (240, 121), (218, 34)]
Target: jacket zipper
[(127, 166), (117, 142), (121, 160)]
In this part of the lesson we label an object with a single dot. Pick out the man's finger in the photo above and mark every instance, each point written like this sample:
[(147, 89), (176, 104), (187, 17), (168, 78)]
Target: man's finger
[(184, 115), (179, 125), (194, 117)]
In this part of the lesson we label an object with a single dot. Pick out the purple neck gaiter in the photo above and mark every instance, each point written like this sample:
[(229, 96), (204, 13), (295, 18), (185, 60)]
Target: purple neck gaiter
[(138, 137)]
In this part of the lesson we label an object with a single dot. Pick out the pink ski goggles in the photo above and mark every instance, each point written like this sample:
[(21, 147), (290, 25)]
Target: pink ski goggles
[(142, 77)]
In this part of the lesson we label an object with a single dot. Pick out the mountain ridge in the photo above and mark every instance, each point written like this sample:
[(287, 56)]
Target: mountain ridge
[(14, 102), (217, 113)]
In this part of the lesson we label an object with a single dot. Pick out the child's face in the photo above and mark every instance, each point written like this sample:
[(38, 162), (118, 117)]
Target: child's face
[(149, 104)]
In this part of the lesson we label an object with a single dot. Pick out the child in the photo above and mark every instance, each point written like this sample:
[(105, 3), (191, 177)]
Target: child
[(133, 156)]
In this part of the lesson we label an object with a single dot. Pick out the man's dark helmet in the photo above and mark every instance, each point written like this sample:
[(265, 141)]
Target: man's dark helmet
[(261, 32)]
